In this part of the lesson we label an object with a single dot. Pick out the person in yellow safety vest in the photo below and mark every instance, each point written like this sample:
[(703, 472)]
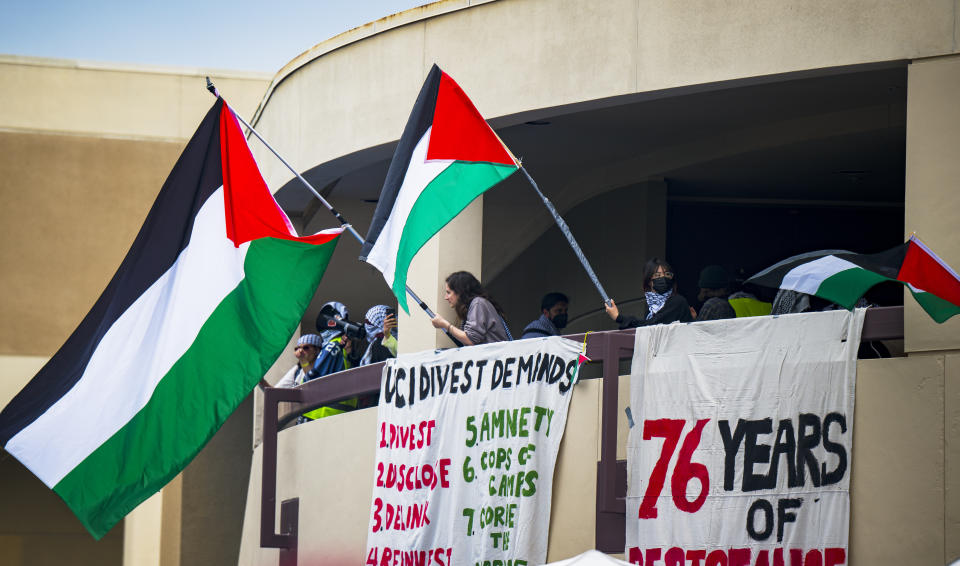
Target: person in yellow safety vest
[(715, 284), (746, 304), (333, 357), (307, 351)]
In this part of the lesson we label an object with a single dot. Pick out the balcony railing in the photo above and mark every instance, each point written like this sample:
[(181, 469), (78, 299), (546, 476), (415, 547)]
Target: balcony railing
[(608, 350)]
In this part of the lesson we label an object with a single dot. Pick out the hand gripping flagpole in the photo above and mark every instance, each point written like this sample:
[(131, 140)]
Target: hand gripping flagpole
[(343, 221), (570, 239)]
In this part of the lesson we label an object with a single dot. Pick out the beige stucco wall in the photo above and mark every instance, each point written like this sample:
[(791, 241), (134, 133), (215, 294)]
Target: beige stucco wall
[(115, 100), (932, 197), (72, 206), (897, 487), (356, 91), (15, 372)]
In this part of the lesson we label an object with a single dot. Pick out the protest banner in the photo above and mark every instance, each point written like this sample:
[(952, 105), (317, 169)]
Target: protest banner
[(740, 453), (467, 440)]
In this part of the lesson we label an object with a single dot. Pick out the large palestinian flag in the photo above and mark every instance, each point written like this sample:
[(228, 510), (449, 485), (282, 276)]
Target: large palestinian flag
[(447, 157), (843, 277), (203, 304)]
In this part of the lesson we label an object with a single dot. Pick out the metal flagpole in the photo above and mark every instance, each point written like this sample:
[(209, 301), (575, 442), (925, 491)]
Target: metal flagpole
[(566, 232), (343, 221)]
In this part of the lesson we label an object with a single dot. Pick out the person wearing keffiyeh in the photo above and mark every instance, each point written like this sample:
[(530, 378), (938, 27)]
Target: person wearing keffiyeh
[(380, 325), (662, 304)]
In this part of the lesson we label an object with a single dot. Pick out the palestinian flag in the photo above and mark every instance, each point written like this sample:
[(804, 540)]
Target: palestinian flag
[(447, 157), (203, 304), (843, 277)]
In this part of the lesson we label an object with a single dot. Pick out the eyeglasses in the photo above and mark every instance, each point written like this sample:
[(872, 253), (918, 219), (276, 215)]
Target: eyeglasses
[(662, 275)]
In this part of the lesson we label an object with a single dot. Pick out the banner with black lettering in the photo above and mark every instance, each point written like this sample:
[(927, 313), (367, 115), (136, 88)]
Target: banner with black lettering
[(467, 440), (740, 452)]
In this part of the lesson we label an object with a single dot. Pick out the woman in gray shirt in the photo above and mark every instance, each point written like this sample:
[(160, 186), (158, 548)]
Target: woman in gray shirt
[(482, 319)]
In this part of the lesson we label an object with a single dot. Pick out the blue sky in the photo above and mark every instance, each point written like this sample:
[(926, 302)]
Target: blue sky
[(246, 35)]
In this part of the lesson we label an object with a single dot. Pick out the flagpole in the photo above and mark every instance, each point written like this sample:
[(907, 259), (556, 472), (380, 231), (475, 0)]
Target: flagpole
[(570, 239), (343, 221)]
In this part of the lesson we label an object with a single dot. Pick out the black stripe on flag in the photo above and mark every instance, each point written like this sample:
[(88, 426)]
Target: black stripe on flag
[(165, 233), (886, 263), (420, 119)]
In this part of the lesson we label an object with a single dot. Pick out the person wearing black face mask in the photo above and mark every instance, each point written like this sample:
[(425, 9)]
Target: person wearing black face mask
[(661, 304), (553, 317)]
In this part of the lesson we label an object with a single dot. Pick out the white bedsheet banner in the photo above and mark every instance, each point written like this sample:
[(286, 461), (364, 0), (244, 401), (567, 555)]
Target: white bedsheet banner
[(466, 446), (741, 449)]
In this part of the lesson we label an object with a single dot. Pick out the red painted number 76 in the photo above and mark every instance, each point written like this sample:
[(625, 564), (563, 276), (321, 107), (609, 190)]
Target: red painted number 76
[(684, 471)]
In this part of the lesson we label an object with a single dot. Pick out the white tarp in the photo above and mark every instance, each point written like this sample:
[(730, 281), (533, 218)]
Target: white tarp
[(741, 448), (466, 446)]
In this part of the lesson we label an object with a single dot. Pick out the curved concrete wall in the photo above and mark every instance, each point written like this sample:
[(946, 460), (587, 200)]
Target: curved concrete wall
[(517, 57)]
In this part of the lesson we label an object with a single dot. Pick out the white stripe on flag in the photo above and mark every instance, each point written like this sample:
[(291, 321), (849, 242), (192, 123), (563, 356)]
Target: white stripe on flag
[(136, 352), (420, 173), (914, 289), (808, 277)]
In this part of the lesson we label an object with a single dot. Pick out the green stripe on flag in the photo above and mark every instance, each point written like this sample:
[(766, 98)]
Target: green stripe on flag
[(939, 309), (439, 202), (846, 287), (238, 343)]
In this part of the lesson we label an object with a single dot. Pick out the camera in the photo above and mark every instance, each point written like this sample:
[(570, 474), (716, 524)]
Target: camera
[(329, 319)]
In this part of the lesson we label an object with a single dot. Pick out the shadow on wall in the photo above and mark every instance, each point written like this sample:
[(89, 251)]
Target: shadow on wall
[(616, 250)]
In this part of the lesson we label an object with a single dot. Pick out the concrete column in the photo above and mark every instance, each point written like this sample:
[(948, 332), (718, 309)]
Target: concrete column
[(932, 200), (171, 522), (142, 533), (455, 248)]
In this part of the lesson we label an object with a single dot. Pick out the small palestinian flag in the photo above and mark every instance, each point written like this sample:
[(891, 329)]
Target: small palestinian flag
[(447, 157), (843, 277), (203, 304)]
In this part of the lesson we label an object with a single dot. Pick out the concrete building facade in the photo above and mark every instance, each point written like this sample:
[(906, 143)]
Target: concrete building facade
[(708, 132)]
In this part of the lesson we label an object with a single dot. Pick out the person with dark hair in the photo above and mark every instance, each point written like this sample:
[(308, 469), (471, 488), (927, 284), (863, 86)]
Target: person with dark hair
[(662, 304), (719, 300), (481, 319), (553, 317), (714, 287)]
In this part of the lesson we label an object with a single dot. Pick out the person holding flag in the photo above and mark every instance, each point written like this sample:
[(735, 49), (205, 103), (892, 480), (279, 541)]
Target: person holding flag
[(481, 319), (662, 303)]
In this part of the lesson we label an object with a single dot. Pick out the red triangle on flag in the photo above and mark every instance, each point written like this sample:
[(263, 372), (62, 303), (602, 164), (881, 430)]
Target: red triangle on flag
[(251, 210), (926, 271), (460, 132)]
